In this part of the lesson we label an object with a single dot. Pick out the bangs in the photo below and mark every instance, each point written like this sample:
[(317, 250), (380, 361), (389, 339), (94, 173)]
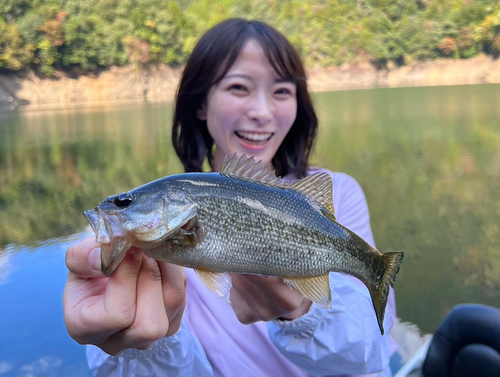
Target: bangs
[(232, 55), (279, 52), (281, 55)]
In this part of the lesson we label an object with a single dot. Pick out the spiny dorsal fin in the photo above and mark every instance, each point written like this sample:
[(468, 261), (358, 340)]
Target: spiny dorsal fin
[(247, 169), (319, 187)]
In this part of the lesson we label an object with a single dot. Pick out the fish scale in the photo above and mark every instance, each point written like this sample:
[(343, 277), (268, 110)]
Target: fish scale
[(243, 220), (236, 233)]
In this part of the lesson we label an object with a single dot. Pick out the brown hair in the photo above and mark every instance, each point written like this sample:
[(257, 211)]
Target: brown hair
[(211, 59)]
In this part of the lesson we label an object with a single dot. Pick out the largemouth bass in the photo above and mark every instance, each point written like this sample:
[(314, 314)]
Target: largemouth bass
[(244, 220)]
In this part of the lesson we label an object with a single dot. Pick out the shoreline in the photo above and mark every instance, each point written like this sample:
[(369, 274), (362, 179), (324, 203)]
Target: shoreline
[(128, 85)]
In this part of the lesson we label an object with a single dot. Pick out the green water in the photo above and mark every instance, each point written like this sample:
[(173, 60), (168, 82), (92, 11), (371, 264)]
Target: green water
[(428, 160)]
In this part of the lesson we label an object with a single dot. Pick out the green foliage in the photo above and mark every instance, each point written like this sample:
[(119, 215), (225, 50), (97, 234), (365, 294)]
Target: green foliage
[(14, 53), (90, 34)]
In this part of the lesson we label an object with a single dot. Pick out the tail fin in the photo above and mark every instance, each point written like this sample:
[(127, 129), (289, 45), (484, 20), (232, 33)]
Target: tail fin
[(380, 292)]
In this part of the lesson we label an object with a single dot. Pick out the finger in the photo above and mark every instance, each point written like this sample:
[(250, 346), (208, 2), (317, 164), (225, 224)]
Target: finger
[(242, 310), (302, 309), (267, 283), (263, 298), (276, 291), (248, 290), (109, 306), (174, 283), (115, 311), (151, 322), (83, 259)]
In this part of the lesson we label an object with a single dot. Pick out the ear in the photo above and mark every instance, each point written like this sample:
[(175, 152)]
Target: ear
[(201, 114)]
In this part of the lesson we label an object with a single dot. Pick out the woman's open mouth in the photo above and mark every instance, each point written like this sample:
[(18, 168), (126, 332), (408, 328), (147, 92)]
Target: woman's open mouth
[(254, 139)]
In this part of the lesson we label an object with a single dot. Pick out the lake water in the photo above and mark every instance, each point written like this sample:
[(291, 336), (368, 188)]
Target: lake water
[(428, 160)]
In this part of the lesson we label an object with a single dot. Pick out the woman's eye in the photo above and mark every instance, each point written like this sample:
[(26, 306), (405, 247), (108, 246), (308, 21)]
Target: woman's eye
[(283, 92), (238, 88)]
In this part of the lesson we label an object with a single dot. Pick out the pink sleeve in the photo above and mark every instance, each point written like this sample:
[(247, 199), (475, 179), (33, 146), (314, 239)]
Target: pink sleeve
[(351, 208)]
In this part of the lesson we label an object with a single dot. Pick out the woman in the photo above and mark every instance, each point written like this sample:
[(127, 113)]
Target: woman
[(243, 90)]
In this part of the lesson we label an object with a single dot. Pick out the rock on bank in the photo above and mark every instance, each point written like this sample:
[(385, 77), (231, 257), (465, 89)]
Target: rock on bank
[(128, 84)]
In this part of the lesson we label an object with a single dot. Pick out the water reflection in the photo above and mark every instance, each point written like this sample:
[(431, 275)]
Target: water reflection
[(55, 166), (429, 162), (35, 341), (427, 158)]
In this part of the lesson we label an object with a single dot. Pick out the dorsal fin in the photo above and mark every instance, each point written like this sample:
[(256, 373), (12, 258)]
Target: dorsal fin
[(319, 187), (247, 169)]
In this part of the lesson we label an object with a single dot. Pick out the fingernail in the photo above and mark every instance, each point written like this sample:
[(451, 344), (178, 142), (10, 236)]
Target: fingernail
[(95, 259)]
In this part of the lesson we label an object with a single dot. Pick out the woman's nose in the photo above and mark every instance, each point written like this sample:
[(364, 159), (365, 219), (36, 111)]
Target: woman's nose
[(260, 109)]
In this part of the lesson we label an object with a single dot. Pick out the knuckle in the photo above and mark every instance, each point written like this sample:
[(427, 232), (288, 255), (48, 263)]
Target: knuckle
[(245, 318), (122, 318), (152, 269), (78, 333), (173, 328), (268, 317), (154, 273), (154, 331), (81, 340), (287, 307), (265, 313), (175, 293), (176, 297)]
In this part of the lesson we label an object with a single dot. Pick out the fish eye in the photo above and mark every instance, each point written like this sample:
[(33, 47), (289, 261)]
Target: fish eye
[(123, 200)]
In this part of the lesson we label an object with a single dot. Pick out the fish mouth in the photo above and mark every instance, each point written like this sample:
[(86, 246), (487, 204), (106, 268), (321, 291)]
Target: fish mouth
[(114, 242), (92, 216)]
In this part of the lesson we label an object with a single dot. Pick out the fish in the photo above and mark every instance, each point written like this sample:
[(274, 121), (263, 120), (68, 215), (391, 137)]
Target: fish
[(244, 220)]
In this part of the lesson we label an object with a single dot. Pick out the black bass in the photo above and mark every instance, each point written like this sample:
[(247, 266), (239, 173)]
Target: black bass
[(243, 220)]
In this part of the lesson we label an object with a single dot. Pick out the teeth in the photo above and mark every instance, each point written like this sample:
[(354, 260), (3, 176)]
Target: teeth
[(254, 136)]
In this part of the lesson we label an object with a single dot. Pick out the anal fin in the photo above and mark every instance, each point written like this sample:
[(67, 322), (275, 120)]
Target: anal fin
[(316, 289), (217, 282)]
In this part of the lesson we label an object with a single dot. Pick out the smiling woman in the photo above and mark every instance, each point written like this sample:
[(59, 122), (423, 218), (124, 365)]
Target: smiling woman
[(251, 110), (243, 90)]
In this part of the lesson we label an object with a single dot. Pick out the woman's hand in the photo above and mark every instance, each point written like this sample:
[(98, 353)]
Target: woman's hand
[(139, 304), (259, 298)]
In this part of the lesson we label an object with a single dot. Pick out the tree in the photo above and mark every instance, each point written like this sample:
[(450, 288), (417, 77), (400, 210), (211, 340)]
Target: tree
[(14, 53)]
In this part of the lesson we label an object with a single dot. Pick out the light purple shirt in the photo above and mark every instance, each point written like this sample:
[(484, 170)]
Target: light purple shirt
[(342, 340)]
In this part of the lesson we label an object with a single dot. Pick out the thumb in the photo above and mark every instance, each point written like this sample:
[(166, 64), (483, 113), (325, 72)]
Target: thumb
[(84, 259)]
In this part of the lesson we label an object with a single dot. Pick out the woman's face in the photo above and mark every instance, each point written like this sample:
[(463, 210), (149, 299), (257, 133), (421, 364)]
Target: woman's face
[(251, 109)]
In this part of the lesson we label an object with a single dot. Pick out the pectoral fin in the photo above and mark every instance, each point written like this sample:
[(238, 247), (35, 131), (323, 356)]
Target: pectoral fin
[(217, 282), (185, 237), (189, 235), (316, 289)]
